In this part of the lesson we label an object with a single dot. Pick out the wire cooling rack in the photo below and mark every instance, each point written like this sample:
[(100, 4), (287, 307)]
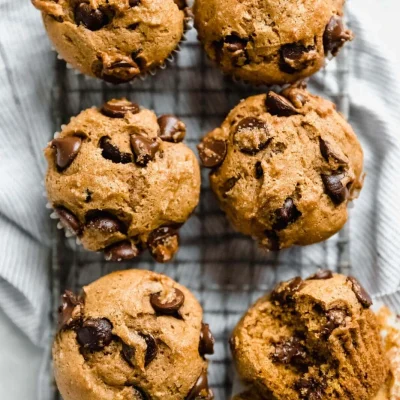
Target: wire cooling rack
[(225, 270)]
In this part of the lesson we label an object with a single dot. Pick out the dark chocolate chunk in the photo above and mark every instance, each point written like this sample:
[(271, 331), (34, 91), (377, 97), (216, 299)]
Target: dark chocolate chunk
[(139, 394), (289, 351), (68, 220), (286, 215), (229, 185), (89, 194), (94, 334), (163, 243), (67, 149), (171, 129), (363, 297), (273, 240), (285, 291), (279, 105), (252, 135), (200, 390), (116, 72), (118, 108), (128, 354), (65, 312), (322, 274), (207, 341), (121, 251), (335, 318), (151, 350), (335, 35), (296, 57), (234, 43), (334, 187), (104, 222), (310, 388), (327, 152), (168, 305), (134, 3), (212, 152), (90, 18), (144, 149), (259, 170), (112, 152)]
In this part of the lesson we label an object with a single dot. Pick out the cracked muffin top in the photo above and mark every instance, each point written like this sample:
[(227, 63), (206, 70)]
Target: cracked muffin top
[(122, 180), (270, 42), (283, 167), (132, 335), (114, 40), (312, 339)]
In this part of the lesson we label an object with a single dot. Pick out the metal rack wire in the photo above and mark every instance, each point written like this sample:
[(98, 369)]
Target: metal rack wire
[(225, 270)]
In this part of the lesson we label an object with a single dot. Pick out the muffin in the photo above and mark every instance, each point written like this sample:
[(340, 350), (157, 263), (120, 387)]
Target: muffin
[(132, 335), (114, 40), (270, 42), (284, 167), (312, 339), (122, 180)]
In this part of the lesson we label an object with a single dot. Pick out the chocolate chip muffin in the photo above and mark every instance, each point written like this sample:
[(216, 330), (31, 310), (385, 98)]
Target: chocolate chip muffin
[(284, 166), (312, 339), (270, 42), (132, 335), (114, 40), (122, 180)]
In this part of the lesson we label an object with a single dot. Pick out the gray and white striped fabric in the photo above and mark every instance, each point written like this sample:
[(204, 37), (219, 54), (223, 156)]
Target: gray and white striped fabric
[(26, 80)]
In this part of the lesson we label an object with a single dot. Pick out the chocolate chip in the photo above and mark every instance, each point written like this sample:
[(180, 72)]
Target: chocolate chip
[(89, 194), (200, 389), (363, 297), (234, 43), (115, 72), (128, 354), (229, 185), (69, 220), (251, 135), (289, 351), (259, 170), (168, 305), (322, 274), (112, 152), (121, 251), (90, 18), (212, 152), (163, 243), (151, 349), (335, 318), (95, 334), (67, 149), (327, 152), (207, 341), (335, 35), (171, 129), (279, 106), (118, 108), (296, 57), (334, 187), (285, 291), (273, 240), (139, 394), (310, 388), (286, 215), (65, 312), (104, 222), (134, 3), (144, 149)]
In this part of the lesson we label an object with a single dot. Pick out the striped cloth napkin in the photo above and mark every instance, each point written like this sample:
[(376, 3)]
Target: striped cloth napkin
[(26, 80)]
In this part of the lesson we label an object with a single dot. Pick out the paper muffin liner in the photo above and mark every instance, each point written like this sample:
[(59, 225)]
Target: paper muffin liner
[(389, 324), (188, 25)]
